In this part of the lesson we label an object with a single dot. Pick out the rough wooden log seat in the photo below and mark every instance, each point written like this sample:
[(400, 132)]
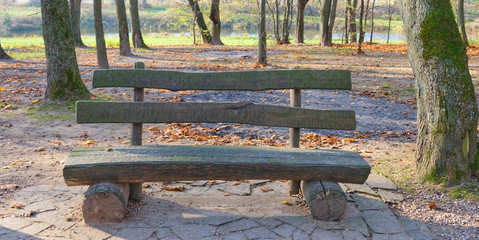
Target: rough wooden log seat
[(116, 174)]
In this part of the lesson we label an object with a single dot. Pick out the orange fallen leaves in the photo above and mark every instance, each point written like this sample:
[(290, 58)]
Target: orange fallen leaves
[(18, 206), (432, 205), (175, 188)]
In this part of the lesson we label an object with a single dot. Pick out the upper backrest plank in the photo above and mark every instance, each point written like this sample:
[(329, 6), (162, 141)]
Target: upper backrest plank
[(246, 113), (242, 81)]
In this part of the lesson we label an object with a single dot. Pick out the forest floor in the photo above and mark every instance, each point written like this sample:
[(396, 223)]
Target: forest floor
[(36, 136)]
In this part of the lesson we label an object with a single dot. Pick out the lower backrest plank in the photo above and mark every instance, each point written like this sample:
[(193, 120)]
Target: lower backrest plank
[(127, 164), (246, 113)]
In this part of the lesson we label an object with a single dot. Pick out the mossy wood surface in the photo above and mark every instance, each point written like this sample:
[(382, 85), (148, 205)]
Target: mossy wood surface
[(246, 113), (244, 81), (130, 164)]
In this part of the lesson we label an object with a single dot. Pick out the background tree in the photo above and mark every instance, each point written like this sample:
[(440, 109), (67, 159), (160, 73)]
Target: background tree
[(215, 19), (372, 23), (63, 78), (125, 49), (101, 54), (325, 21), (75, 16), (205, 34), (446, 102), (299, 31), (352, 20), (346, 21), (287, 21), (262, 33), (361, 28), (332, 18), (461, 21), (136, 35), (390, 16), (3, 54)]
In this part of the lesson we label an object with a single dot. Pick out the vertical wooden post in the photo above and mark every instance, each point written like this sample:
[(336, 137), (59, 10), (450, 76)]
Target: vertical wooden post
[(295, 101), (136, 189)]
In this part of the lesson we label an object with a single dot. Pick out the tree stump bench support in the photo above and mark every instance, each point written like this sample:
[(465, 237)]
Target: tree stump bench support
[(116, 174)]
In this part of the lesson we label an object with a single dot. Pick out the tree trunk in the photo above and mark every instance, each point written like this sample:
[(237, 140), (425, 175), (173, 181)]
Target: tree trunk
[(332, 18), (75, 14), (3, 54), (461, 21), (125, 49), (287, 21), (352, 20), (135, 26), (364, 18), (215, 19), (299, 31), (372, 23), (63, 78), (200, 21), (447, 108), (101, 54), (262, 33), (346, 21), (361, 31), (325, 9), (389, 20)]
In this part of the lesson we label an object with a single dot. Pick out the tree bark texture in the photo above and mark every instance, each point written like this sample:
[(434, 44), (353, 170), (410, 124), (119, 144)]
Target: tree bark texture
[(75, 14), (3, 54), (299, 31), (262, 33), (63, 78), (205, 34), (125, 49), (101, 53), (325, 10), (352, 21), (461, 21), (447, 109), (364, 18), (215, 19), (135, 26)]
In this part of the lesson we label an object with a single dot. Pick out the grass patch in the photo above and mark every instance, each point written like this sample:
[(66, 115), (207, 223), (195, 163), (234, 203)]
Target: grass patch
[(468, 191), (51, 111)]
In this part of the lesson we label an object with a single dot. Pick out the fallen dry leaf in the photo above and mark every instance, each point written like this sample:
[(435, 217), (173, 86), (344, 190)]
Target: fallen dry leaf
[(236, 183), (266, 189), (226, 194), (18, 206), (432, 205), (287, 203), (175, 188), (88, 143)]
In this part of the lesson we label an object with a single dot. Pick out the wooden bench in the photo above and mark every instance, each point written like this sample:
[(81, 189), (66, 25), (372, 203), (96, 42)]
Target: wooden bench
[(116, 173)]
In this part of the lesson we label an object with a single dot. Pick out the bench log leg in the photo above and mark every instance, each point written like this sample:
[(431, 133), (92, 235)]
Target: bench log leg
[(136, 191), (294, 187), (325, 199), (105, 202)]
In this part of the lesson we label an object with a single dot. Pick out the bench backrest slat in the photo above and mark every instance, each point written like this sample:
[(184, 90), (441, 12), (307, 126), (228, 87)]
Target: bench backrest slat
[(245, 113), (241, 81)]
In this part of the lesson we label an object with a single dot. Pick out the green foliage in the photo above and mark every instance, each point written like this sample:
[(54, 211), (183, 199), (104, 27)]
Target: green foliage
[(435, 175)]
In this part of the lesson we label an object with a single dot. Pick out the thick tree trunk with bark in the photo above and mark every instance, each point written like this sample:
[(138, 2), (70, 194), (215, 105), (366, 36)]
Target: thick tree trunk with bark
[(262, 33), (215, 19), (461, 21), (125, 49), (205, 34), (3, 54), (136, 35), (325, 10), (447, 109), (352, 21), (63, 78), (75, 15), (101, 54), (299, 31)]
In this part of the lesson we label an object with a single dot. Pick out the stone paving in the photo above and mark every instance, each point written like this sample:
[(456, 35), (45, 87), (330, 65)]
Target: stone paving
[(214, 210)]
